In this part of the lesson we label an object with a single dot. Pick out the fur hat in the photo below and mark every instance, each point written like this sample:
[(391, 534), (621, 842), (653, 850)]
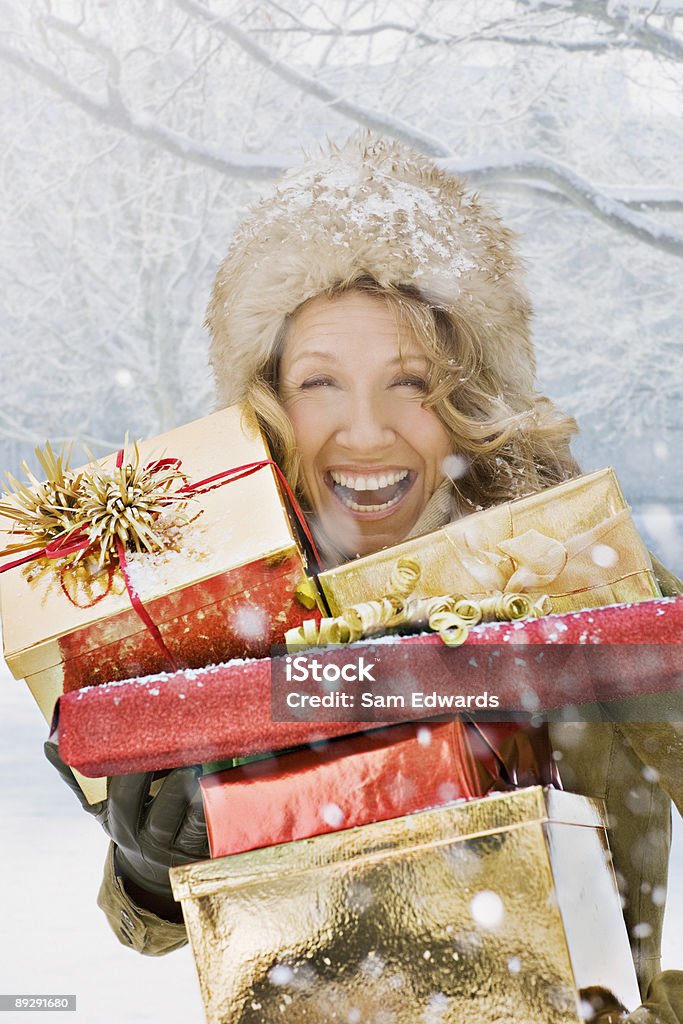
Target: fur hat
[(377, 208)]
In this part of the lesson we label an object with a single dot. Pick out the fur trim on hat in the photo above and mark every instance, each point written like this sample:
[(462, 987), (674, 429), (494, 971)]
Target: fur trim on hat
[(376, 208)]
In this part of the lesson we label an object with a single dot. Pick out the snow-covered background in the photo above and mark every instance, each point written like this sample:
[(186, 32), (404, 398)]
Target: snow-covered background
[(53, 938), (135, 133)]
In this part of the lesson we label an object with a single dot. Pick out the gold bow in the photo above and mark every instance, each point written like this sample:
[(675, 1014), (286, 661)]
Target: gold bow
[(451, 616), (537, 560)]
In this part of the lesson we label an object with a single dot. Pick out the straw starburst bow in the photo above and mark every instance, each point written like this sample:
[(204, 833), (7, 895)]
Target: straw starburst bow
[(136, 505), (42, 511), (131, 504)]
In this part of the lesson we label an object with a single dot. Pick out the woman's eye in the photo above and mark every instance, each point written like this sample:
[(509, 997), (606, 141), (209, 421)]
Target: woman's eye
[(317, 382), (417, 383)]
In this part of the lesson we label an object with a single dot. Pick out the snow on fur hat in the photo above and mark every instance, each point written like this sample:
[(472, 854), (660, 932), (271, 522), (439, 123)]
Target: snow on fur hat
[(376, 208)]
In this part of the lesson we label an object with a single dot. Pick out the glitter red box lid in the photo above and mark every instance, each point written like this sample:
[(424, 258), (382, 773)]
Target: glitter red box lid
[(226, 710)]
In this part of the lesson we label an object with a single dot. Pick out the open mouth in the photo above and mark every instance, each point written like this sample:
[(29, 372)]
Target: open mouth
[(372, 492)]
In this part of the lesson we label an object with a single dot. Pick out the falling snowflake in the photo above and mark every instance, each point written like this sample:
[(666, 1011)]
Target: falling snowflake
[(436, 1008), (373, 965), (250, 622), (280, 974), (487, 909), (659, 895), (424, 736), (604, 556), (529, 700), (448, 791), (455, 466), (332, 815)]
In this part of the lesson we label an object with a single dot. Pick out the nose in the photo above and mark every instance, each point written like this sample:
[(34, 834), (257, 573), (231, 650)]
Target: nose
[(367, 425)]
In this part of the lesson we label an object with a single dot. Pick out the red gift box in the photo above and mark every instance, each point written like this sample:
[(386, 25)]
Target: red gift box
[(353, 781), (226, 710)]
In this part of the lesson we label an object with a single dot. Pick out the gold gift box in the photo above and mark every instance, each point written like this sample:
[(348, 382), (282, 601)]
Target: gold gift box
[(575, 542), (226, 589), (504, 909)]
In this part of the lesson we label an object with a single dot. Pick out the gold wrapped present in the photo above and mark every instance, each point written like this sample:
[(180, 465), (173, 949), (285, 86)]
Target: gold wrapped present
[(222, 584), (500, 909), (575, 542)]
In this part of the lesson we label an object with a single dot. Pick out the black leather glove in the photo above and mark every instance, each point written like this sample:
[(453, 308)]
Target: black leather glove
[(151, 833)]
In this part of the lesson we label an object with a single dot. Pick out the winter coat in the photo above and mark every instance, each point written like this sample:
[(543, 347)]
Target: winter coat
[(636, 767)]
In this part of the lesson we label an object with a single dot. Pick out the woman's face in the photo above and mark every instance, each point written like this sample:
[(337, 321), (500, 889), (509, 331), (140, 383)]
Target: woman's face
[(371, 454)]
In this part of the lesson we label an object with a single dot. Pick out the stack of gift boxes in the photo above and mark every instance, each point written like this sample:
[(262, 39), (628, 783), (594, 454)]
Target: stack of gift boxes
[(348, 871)]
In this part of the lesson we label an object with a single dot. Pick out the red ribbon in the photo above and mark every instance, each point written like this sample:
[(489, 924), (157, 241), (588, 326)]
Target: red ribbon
[(210, 483), (72, 542), (78, 539)]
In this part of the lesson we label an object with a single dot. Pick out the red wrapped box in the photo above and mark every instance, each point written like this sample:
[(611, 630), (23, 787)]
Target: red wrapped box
[(353, 781), (226, 711)]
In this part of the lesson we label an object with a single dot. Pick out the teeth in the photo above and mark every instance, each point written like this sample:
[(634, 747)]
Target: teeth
[(367, 508), (368, 483)]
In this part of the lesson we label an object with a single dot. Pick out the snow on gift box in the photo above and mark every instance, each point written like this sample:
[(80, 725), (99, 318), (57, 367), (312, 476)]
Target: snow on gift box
[(218, 579), (226, 711), (504, 908)]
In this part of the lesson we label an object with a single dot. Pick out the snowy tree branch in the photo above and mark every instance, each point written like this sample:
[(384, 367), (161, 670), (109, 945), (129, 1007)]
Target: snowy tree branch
[(366, 116), (613, 206), (365, 30), (657, 40), (640, 34), (572, 46), (644, 195), (634, 196), (73, 33), (524, 167), (118, 115), (12, 429)]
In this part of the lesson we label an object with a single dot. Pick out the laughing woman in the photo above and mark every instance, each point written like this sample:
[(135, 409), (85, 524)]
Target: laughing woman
[(372, 313)]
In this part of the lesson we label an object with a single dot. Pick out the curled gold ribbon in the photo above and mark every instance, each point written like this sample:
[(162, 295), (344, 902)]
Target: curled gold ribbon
[(451, 615), (305, 593), (403, 580), (450, 627)]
